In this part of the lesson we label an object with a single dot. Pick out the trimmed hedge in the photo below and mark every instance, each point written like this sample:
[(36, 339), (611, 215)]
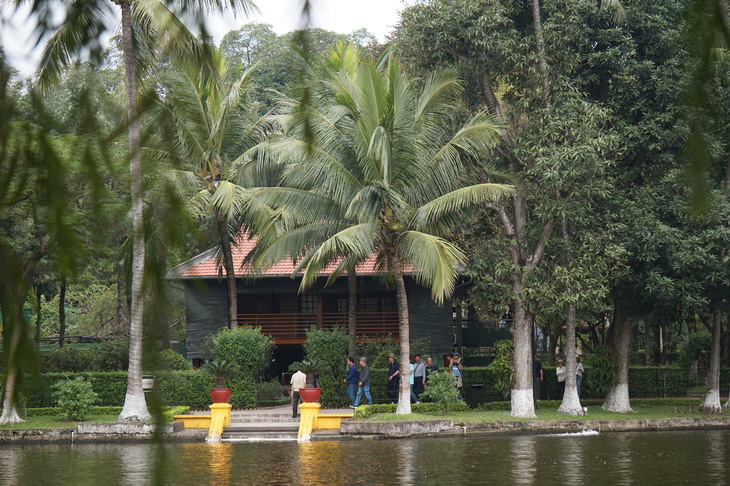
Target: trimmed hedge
[(189, 388), (365, 411), (167, 412)]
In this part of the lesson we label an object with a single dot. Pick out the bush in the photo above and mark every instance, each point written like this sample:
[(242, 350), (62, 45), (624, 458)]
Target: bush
[(502, 369), (76, 358), (601, 370), (365, 411), (377, 351), (692, 348), (441, 389), (329, 348), (166, 360), (75, 398), (246, 347), (169, 415), (268, 391)]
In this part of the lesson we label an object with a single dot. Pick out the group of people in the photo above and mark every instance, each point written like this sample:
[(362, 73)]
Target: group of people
[(419, 375), (560, 373)]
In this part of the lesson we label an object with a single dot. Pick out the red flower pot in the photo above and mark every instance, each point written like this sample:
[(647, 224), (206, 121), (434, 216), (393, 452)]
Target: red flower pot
[(220, 395), (310, 395)]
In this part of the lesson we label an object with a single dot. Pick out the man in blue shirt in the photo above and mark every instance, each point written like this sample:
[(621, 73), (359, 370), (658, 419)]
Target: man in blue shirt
[(351, 380)]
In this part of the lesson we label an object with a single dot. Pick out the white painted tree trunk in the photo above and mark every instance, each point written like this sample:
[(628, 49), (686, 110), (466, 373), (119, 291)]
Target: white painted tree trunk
[(522, 403), (404, 331), (711, 403), (617, 399), (135, 407), (10, 410), (571, 402)]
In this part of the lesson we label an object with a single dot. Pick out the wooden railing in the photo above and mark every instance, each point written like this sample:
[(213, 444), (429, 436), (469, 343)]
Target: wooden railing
[(291, 328)]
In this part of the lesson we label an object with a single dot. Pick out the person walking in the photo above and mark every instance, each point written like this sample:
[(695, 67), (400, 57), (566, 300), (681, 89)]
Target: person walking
[(537, 379), (351, 380), (364, 383), (457, 370), (578, 374), (413, 395), (298, 380), (560, 375), (391, 387), (430, 368), (419, 376)]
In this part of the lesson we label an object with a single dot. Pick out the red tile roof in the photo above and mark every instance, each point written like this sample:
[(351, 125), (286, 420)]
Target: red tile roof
[(204, 265)]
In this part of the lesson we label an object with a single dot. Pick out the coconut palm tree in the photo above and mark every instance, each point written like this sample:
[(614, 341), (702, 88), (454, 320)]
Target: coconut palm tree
[(374, 169), (144, 23), (213, 124)]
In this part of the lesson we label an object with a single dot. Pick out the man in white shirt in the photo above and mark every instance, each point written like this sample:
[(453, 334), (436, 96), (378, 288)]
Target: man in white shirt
[(298, 380)]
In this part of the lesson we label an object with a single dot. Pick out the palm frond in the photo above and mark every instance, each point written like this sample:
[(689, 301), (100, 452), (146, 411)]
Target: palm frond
[(434, 260)]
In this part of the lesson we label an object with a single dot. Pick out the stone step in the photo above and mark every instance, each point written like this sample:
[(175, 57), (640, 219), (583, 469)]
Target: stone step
[(256, 420), (261, 427)]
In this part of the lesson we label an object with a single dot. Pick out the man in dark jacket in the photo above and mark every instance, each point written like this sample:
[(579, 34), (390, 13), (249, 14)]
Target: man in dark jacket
[(430, 368), (364, 383), (393, 371), (351, 380)]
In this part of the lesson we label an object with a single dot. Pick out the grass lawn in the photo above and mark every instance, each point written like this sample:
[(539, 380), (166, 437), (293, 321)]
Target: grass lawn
[(56, 422), (594, 413)]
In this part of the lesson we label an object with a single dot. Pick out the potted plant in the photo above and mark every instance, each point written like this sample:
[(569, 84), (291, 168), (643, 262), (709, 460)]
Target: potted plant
[(220, 368), (309, 368)]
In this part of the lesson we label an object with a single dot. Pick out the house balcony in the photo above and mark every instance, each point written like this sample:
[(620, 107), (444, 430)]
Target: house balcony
[(292, 328)]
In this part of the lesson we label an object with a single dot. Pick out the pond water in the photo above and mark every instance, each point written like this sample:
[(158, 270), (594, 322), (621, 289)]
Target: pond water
[(696, 457)]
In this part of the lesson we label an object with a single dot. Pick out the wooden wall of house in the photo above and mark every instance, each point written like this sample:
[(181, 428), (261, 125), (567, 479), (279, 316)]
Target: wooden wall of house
[(430, 319), (206, 307), (206, 311)]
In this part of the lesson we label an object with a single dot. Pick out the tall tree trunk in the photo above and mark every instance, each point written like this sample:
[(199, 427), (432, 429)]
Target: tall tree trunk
[(230, 271), (620, 334), (10, 407), (648, 348), (404, 332), (571, 401), (135, 406), (62, 313), (542, 61), (521, 397), (711, 404), (352, 311)]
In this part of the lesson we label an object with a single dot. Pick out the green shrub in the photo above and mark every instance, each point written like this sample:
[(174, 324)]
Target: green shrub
[(169, 415), (502, 369), (76, 358), (329, 347), (166, 360), (365, 411), (244, 391), (74, 398), (377, 351), (246, 347), (693, 347), (268, 390), (441, 389), (601, 372)]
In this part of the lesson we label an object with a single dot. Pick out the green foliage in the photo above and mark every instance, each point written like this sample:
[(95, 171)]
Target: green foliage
[(601, 370), (169, 415), (244, 391), (693, 347), (365, 411), (245, 346), (268, 390), (75, 358), (329, 347), (502, 367), (308, 367), (441, 389), (377, 351), (75, 398), (167, 360), (220, 367)]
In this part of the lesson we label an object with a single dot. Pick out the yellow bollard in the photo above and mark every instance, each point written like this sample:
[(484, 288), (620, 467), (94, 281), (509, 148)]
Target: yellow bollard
[(308, 421), (220, 416)]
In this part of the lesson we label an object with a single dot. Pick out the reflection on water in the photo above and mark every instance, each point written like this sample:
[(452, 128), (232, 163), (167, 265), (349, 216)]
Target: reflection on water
[(699, 457)]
